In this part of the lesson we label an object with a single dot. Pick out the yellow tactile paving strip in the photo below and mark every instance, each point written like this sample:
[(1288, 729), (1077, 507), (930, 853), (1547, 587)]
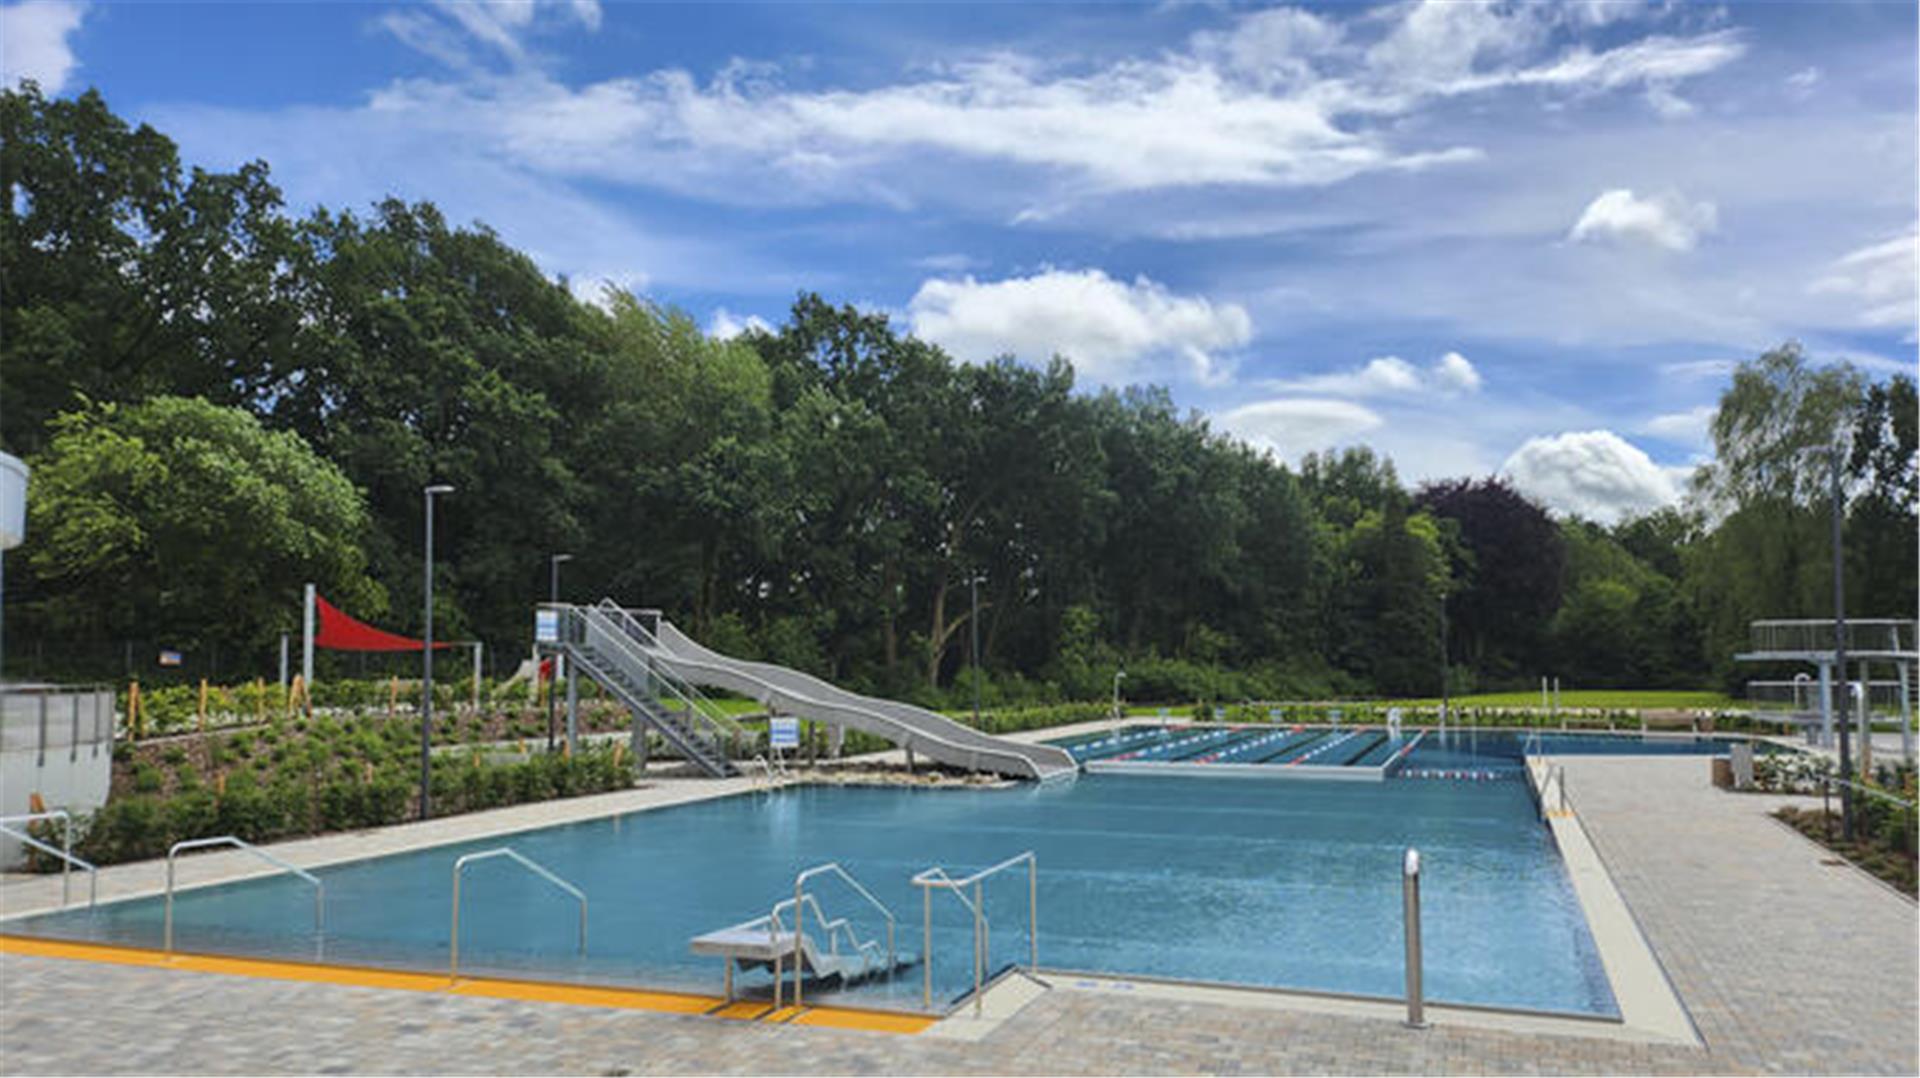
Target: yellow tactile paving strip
[(493, 988)]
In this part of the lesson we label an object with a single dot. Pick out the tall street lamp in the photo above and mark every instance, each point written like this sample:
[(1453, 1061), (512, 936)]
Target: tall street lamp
[(1840, 653), (426, 663), (973, 584), (553, 598), (1446, 700)]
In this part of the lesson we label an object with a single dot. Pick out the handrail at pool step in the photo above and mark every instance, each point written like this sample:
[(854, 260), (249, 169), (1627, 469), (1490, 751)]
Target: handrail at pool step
[(68, 859), (799, 915), (528, 863), (937, 877), (319, 889)]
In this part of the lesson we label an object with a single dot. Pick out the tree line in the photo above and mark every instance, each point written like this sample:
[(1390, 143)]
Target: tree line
[(222, 400)]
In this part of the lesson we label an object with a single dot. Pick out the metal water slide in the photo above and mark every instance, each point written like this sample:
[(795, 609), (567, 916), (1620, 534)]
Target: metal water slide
[(928, 734)]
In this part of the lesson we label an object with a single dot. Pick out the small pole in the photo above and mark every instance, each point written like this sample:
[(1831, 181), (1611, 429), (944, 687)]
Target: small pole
[(926, 948), (1033, 914), (979, 959), (1410, 888)]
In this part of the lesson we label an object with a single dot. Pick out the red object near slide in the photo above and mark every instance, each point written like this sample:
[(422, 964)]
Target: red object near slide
[(342, 632)]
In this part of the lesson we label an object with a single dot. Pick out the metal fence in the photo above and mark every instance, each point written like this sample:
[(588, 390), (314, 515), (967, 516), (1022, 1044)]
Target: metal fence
[(51, 721), (1883, 697), (1816, 635)]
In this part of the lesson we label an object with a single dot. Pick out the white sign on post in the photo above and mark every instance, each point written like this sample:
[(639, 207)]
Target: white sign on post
[(546, 626), (783, 733)]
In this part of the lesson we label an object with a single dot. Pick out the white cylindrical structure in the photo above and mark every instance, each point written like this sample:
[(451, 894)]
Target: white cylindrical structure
[(13, 501)]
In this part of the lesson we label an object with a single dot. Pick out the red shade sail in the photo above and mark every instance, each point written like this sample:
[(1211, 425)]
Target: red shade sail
[(342, 632)]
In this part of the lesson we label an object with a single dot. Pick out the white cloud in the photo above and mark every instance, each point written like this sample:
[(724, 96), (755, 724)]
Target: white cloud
[(951, 262), (1110, 329), (1695, 369), (1881, 277), (1802, 82), (34, 45), (1456, 373), (726, 325), (1278, 100), (1689, 427), (1289, 427), (1451, 374), (1667, 221), (1596, 474), (502, 25)]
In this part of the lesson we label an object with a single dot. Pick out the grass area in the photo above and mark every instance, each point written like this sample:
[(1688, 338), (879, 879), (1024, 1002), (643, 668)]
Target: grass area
[(1613, 699), (1597, 699)]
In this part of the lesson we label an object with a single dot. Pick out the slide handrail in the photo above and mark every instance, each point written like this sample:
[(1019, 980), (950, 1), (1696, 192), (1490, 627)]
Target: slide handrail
[(716, 731), (688, 692)]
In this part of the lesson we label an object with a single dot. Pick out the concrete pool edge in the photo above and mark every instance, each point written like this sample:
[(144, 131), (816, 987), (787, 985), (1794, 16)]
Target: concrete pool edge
[(654, 1000), (1641, 988)]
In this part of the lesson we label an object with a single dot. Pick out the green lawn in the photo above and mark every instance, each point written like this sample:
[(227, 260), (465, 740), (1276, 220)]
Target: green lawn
[(1607, 699), (1623, 699)]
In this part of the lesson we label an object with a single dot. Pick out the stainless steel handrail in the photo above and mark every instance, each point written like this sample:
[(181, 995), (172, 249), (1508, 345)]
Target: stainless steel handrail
[(528, 863), (319, 889), (937, 877), (691, 694), (717, 731), (66, 855), (835, 928), (799, 884)]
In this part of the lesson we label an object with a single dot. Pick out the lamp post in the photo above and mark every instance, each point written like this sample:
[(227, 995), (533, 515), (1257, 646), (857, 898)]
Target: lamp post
[(426, 665), (1840, 693), (1446, 699), (973, 586), (1118, 677), (553, 597)]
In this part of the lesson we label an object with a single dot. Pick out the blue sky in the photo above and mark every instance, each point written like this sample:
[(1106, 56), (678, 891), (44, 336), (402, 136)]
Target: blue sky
[(1528, 239)]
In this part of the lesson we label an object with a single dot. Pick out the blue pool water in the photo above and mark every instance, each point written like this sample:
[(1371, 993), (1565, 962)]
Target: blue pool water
[(1289, 884), (1358, 746)]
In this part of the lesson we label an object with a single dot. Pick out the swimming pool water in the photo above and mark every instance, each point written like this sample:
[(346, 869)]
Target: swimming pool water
[(1287, 884)]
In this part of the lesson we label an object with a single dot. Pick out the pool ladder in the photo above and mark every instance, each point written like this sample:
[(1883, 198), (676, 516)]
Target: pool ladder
[(528, 863), (937, 878), (319, 889), (68, 859)]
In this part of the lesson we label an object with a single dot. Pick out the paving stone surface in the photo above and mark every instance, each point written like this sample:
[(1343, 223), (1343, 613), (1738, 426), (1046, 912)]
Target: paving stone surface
[(1787, 966)]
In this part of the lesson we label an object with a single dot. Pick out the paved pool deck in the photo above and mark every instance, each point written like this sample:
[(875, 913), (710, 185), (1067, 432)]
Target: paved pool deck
[(1784, 963)]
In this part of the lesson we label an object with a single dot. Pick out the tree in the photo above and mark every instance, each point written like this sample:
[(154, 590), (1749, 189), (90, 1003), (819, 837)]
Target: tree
[(1768, 553), (1513, 575), (186, 521), (120, 278)]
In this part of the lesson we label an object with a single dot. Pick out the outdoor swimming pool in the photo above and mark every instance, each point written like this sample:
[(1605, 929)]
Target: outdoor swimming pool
[(1292, 884)]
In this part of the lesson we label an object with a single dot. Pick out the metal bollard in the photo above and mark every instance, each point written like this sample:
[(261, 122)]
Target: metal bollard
[(1410, 886)]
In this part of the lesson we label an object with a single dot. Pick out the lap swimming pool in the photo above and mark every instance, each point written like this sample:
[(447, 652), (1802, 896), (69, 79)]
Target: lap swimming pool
[(1293, 885)]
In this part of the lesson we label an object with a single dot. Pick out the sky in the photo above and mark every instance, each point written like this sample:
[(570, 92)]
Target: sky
[(1519, 239)]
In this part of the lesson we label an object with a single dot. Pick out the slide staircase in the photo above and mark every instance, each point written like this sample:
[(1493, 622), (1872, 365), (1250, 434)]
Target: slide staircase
[(601, 643)]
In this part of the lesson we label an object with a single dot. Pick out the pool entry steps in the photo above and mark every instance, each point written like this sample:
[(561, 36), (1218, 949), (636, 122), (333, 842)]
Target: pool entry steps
[(654, 669), (1295, 752), (768, 943)]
